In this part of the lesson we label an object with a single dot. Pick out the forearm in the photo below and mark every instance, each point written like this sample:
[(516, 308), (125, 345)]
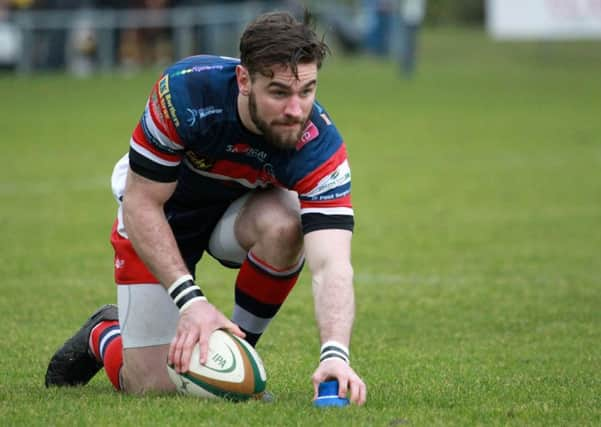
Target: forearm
[(148, 229), (154, 243), (335, 309), (334, 303)]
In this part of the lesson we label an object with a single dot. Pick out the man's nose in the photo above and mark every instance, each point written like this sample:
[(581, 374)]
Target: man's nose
[(293, 107)]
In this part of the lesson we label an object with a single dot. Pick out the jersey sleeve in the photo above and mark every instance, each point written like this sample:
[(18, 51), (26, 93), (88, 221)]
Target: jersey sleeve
[(325, 191), (156, 148)]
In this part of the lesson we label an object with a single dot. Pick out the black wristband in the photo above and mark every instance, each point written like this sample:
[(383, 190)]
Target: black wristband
[(184, 291), (334, 349)]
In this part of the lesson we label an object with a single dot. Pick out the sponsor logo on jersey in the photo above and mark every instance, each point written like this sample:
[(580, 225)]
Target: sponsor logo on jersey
[(201, 113), (331, 196), (340, 177), (322, 113), (164, 85), (325, 119), (166, 101), (155, 107), (199, 162), (247, 150), (164, 113), (309, 134), (119, 263), (197, 69), (267, 174)]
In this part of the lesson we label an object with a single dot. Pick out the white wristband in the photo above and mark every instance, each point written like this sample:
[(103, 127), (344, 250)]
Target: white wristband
[(190, 301), (331, 349)]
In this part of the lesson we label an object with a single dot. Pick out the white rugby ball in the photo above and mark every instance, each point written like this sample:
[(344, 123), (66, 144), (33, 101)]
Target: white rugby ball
[(233, 370)]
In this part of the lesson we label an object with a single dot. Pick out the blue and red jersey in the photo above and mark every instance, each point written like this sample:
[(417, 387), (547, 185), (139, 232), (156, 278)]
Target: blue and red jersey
[(191, 133)]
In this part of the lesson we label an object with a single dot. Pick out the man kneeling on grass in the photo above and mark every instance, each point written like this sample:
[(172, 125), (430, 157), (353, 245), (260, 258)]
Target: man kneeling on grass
[(237, 158)]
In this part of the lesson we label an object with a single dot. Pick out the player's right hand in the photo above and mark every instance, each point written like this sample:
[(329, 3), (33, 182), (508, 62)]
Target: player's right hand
[(196, 324), (348, 380)]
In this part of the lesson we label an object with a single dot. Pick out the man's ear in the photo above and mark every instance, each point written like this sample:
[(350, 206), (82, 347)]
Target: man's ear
[(243, 79)]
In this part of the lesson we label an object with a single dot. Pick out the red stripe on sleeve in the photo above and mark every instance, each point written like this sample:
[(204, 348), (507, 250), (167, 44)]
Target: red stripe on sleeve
[(141, 140), (309, 182)]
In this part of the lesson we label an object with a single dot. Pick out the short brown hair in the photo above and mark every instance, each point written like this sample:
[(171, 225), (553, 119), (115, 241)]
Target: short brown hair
[(277, 38)]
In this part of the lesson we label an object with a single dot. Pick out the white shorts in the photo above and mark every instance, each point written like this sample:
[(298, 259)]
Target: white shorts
[(147, 315)]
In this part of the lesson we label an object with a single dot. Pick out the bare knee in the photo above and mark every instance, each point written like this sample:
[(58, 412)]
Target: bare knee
[(270, 226), (144, 370), (279, 237), (283, 231)]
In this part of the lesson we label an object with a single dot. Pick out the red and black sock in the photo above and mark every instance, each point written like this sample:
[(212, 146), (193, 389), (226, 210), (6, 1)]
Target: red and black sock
[(106, 345), (260, 292)]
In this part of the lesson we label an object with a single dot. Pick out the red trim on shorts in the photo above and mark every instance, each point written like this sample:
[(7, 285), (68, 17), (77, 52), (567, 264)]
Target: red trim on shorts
[(129, 268)]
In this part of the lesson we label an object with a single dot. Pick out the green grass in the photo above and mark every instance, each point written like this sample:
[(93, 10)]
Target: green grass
[(477, 251)]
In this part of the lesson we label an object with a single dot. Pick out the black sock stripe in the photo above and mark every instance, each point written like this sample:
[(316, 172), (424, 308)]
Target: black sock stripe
[(258, 308), (250, 337)]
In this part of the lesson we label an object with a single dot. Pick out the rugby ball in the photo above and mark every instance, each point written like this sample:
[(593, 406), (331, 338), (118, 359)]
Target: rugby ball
[(233, 371)]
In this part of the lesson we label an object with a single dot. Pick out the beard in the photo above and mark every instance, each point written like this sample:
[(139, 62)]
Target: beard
[(285, 139)]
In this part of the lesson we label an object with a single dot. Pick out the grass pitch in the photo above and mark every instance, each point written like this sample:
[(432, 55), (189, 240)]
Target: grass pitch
[(477, 251)]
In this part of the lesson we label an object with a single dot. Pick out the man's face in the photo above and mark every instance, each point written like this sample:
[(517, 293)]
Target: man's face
[(280, 106)]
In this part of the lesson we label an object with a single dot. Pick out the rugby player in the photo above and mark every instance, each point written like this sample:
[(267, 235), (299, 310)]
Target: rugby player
[(238, 159)]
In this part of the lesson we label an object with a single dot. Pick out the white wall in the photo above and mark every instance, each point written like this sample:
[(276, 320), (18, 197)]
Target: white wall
[(10, 43), (544, 19)]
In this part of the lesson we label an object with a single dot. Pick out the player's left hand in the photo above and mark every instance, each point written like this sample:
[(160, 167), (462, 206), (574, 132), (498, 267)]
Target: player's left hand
[(196, 324), (348, 380)]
